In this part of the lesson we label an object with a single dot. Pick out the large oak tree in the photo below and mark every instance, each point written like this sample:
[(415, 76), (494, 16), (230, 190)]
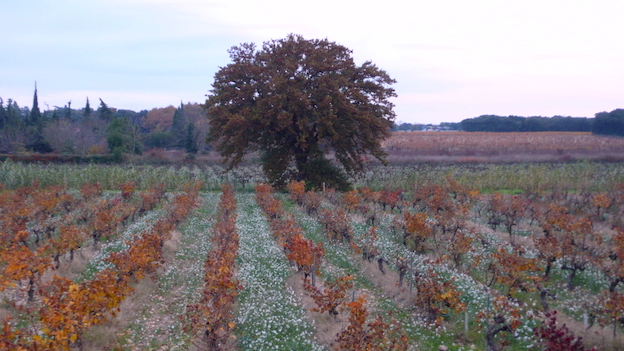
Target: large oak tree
[(299, 102)]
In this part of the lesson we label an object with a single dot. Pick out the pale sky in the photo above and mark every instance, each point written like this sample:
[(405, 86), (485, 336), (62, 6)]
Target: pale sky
[(452, 59)]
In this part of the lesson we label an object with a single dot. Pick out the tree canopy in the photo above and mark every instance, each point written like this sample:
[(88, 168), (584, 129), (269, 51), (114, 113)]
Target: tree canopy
[(609, 123), (494, 123), (297, 101)]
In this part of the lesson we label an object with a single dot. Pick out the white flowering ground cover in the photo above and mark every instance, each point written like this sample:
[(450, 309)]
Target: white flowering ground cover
[(340, 260), (97, 263), (422, 336), (157, 323), (458, 328), (269, 316), (475, 295)]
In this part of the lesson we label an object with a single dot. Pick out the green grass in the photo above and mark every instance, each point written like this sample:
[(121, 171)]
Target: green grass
[(517, 177), (507, 178), (14, 175)]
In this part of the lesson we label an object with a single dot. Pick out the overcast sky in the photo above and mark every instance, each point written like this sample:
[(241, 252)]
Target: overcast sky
[(453, 59)]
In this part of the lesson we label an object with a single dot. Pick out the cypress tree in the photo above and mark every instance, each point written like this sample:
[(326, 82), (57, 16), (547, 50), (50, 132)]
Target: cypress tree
[(35, 113), (68, 111), (87, 110), (38, 143)]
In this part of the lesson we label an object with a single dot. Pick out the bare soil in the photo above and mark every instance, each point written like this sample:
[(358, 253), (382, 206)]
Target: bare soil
[(388, 283), (600, 337), (326, 326)]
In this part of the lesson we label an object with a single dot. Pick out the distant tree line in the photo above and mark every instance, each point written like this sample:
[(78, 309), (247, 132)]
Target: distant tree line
[(493, 123), (605, 123), (409, 127), (105, 130), (609, 123)]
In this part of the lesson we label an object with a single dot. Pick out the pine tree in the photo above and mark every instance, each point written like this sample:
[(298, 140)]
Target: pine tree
[(190, 141), (13, 114), (105, 112), (55, 115), (117, 138), (178, 130)]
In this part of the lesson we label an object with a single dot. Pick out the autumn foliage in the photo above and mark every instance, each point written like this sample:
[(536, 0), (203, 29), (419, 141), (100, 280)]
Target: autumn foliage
[(437, 298), (213, 316), (301, 252), (555, 337), (68, 308), (375, 335), (331, 295)]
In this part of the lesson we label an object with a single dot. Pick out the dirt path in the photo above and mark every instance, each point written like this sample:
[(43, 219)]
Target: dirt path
[(601, 337), (326, 327)]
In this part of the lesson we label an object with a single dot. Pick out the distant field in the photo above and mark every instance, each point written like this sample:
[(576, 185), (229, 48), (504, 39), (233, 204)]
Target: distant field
[(405, 147)]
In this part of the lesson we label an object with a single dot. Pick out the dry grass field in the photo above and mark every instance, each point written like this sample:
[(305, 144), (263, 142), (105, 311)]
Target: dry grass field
[(407, 147)]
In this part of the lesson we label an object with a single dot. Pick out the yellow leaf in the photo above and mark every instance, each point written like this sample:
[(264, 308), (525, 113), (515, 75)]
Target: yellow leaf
[(231, 325), (73, 288)]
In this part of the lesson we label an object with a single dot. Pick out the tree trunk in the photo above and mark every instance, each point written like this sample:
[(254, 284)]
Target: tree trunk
[(491, 333), (401, 277), (380, 262), (614, 284), (548, 268), (31, 289), (573, 269), (314, 272)]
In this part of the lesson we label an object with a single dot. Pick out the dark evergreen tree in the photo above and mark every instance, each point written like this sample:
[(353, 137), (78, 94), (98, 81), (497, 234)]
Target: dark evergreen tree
[(133, 117), (13, 112), (117, 138), (68, 111), (55, 115), (35, 113), (104, 112), (609, 123), (123, 137), (178, 127), (158, 139), (3, 114), (190, 141), (86, 113)]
